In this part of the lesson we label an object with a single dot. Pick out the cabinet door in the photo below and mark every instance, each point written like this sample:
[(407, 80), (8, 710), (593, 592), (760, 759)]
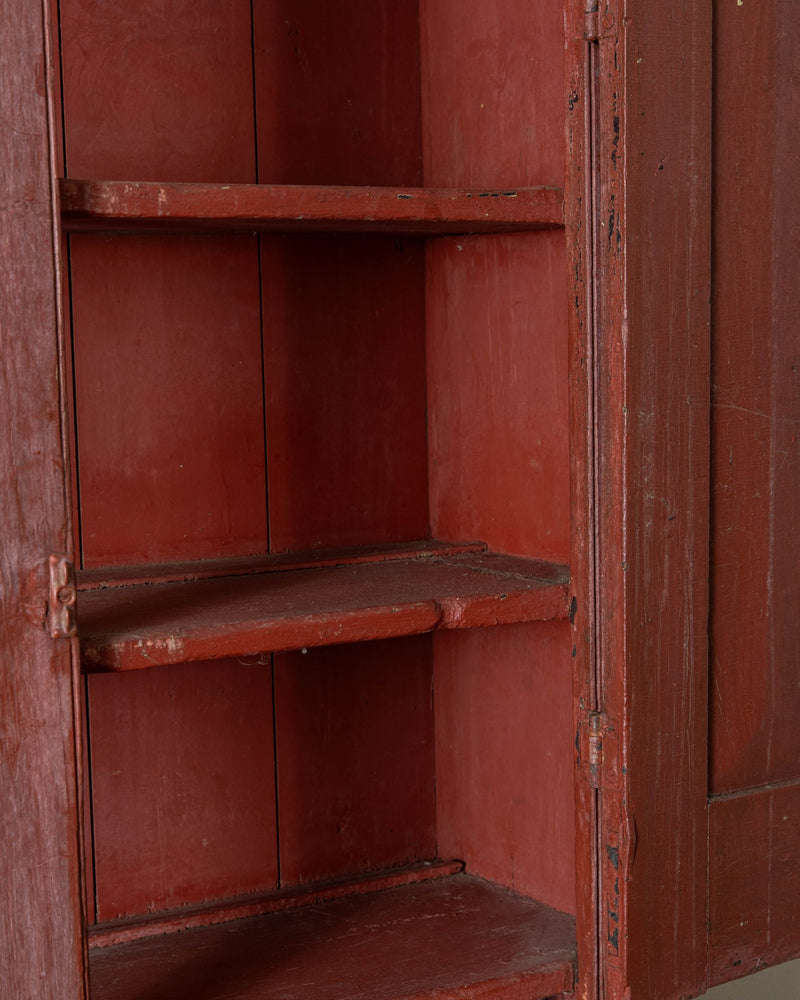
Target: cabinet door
[(754, 703), (40, 901), (688, 233)]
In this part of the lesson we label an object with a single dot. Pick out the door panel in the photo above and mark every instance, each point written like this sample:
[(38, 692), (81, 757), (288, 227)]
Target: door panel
[(755, 616), (755, 624)]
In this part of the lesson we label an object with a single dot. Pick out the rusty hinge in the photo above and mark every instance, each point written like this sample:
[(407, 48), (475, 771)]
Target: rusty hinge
[(62, 620), (598, 725), (591, 23)]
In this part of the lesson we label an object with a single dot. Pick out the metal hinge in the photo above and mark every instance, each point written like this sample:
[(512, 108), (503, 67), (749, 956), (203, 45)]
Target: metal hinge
[(62, 620), (591, 23), (598, 726)]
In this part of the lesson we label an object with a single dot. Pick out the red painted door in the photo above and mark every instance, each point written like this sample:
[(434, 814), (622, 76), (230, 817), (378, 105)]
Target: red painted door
[(754, 697), (687, 224)]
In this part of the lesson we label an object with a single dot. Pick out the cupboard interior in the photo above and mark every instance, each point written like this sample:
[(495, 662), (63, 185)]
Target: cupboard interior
[(261, 394)]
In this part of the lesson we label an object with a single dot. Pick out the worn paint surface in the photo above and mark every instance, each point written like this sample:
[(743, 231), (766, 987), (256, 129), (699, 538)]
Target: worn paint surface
[(755, 622), (639, 201), (308, 393), (439, 948), (41, 913)]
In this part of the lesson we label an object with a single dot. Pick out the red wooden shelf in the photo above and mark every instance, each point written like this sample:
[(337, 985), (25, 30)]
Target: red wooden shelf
[(147, 624), (445, 939), (97, 206)]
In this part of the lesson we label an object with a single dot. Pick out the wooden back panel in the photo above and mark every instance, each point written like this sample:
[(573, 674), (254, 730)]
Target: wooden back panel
[(236, 395), (338, 92)]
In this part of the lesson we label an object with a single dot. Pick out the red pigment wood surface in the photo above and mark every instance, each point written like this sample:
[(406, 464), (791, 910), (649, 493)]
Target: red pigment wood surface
[(650, 360), (344, 359), (236, 908), (183, 780), (444, 939), (134, 627), (205, 569), (156, 91), (497, 392), (355, 751), (115, 205), (755, 881), (169, 398), (755, 625), (504, 757), (41, 901), (580, 211), (337, 92), (493, 92)]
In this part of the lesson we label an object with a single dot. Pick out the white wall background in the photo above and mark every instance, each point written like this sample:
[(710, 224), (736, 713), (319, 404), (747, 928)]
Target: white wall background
[(780, 983)]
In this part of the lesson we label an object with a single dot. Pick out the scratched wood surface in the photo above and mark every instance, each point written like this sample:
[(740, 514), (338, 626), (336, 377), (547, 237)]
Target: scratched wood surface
[(93, 206), (41, 900), (168, 751), (756, 345), (578, 211), (344, 353), (497, 392), (355, 755), (755, 881), (338, 92), (167, 110), (129, 628), (504, 792), (167, 343), (651, 459), (755, 623), (498, 429), (427, 941), (350, 389)]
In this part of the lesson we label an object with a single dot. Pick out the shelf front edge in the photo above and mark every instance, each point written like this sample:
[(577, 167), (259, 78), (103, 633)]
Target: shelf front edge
[(142, 206), (137, 627)]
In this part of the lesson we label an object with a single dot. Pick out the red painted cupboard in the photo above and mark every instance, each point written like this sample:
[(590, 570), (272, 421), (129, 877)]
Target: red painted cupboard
[(399, 444)]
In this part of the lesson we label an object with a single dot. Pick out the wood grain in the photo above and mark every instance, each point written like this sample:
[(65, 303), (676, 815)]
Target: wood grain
[(344, 349), (337, 92), (497, 392), (444, 939), (156, 91), (108, 206), (755, 881), (504, 795), (183, 785), (170, 436), (651, 462), (134, 627), (182, 918), (755, 625), (41, 903), (492, 93), (355, 755)]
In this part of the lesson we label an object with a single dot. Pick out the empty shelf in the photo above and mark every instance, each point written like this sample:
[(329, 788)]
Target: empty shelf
[(147, 624), (448, 938)]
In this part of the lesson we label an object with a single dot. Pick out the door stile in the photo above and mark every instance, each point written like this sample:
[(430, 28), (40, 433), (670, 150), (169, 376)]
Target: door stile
[(580, 204), (649, 459), (41, 907)]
